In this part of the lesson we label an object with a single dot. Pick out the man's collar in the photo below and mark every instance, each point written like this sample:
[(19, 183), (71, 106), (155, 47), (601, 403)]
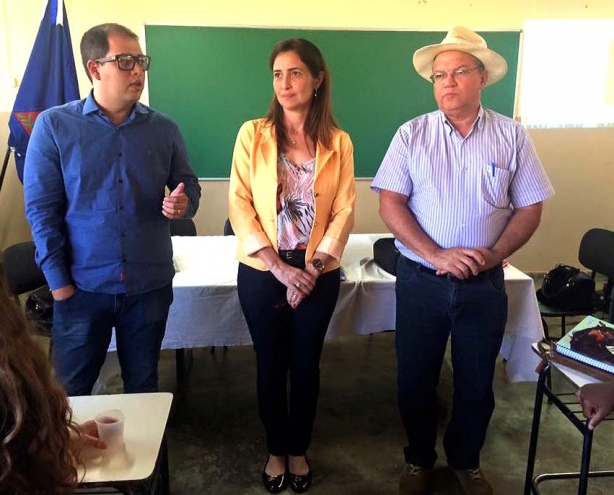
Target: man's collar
[(478, 120), (90, 106)]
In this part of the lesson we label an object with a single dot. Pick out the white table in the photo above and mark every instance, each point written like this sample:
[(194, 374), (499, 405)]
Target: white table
[(206, 311), (573, 376), (145, 423)]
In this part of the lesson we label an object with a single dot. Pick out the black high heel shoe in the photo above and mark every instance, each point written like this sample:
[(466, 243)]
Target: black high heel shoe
[(275, 484), (300, 483)]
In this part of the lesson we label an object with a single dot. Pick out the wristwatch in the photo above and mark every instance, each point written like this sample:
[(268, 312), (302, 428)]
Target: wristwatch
[(318, 264)]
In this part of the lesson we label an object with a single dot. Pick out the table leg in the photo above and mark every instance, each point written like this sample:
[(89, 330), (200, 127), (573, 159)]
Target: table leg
[(180, 365), (586, 461), (166, 482), (537, 411)]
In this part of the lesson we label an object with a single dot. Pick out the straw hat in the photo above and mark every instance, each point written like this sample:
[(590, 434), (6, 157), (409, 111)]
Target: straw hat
[(463, 40)]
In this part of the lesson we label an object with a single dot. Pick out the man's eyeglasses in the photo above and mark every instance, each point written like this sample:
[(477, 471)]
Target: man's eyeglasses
[(125, 61), (439, 77)]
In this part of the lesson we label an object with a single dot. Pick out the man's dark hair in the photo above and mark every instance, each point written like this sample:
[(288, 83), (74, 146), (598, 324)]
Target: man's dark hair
[(478, 63), (95, 41)]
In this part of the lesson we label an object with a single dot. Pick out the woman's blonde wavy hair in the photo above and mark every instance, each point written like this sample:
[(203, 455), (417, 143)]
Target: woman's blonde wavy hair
[(35, 417)]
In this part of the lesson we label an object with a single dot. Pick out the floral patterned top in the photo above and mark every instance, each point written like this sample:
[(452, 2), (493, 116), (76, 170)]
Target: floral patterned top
[(295, 202)]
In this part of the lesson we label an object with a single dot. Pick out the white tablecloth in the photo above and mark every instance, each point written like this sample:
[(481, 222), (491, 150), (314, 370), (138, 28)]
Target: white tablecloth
[(206, 310)]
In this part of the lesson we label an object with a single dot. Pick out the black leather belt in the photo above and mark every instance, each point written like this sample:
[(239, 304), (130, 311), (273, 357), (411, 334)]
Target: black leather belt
[(480, 277), (292, 254)]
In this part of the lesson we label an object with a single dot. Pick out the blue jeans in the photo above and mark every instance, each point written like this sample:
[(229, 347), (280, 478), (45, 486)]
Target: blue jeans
[(81, 334), (431, 308), (288, 343)]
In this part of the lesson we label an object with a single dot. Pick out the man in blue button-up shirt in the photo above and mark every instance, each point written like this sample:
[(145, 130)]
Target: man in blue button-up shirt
[(94, 183)]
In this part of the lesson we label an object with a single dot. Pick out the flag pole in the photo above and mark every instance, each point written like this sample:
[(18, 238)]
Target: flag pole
[(4, 166)]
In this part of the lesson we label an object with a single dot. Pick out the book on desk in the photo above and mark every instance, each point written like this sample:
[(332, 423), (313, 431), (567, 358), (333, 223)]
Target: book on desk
[(590, 342)]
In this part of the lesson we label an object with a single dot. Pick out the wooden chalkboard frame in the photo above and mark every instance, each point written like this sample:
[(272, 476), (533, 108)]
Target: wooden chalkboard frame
[(212, 79)]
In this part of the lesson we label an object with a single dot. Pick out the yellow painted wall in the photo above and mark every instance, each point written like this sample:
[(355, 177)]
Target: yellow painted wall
[(579, 161)]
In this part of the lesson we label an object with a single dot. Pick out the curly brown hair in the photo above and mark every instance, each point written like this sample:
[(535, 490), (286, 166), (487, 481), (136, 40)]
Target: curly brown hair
[(35, 417)]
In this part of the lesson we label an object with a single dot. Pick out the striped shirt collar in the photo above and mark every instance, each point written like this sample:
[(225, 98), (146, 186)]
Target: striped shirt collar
[(477, 124)]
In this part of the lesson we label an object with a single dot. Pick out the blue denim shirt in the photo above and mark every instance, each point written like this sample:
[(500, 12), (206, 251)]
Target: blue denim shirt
[(94, 192)]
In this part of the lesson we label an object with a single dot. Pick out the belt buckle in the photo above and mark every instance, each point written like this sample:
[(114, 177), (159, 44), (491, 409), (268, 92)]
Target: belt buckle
[(289, 255)]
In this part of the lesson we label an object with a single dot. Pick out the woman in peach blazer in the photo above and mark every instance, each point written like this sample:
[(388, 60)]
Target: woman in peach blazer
[(291, 200)]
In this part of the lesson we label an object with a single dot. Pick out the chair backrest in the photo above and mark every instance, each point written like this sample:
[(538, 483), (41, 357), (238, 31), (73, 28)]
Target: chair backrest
[(597, 254), (183, 226), (597, 251), (20, 268), (228, 228)]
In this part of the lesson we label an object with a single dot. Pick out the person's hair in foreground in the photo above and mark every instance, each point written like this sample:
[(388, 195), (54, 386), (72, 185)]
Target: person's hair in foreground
[(35, 418)]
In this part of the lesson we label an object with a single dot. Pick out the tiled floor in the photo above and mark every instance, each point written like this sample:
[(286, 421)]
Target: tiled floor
[(217, 446), (216, 441)]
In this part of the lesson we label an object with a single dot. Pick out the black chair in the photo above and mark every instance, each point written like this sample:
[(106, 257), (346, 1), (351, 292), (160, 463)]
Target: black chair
[(597, 254), (228, 228), (183, 226), (24, 276), (20, 268)]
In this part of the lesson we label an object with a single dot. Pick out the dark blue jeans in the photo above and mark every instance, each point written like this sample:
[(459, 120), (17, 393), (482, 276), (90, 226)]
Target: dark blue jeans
[(287, 343), (81, 334), (431, 308)]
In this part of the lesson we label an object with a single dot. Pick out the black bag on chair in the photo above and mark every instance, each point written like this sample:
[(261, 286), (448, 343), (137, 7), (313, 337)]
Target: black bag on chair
[(566, 287), (386, 254), (39, 307)]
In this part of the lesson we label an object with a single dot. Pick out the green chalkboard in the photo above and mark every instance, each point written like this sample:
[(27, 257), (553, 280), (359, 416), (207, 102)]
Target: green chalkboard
[(212, 79)]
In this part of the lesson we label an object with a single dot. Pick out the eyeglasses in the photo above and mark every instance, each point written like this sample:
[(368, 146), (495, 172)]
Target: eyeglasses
[(125, 61), (439, 77)]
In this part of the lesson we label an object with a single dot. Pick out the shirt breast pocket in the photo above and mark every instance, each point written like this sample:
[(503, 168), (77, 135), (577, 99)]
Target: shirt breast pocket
[(496, 186)]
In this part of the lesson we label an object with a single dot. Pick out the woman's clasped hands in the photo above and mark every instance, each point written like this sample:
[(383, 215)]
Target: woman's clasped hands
[(299, 286)]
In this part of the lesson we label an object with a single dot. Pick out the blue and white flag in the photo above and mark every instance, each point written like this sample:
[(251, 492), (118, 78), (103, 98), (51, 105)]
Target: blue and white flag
[(50, 79)]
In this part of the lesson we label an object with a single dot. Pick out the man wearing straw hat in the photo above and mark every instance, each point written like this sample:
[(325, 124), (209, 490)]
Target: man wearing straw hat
[(461, 189)]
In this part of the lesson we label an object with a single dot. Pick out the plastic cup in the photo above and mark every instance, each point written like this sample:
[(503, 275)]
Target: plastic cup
[(110, 426)]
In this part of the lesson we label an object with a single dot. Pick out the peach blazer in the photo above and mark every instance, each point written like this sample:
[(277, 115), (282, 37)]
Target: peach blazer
[(253, 194)]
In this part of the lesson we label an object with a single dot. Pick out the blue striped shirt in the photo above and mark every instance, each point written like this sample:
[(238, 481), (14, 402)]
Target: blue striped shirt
[(462, 191)]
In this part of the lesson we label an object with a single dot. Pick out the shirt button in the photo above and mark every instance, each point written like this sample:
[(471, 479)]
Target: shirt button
[(119, 154), (123, 234), (123, 260), (316, 195), (121, 181), (121, 207)]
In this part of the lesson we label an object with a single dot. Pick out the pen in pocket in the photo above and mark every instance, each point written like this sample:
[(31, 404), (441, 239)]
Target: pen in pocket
[(492, 165)]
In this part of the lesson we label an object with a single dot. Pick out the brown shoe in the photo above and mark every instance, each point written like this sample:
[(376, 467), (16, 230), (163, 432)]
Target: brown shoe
[(414, 480), (473, 482)]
